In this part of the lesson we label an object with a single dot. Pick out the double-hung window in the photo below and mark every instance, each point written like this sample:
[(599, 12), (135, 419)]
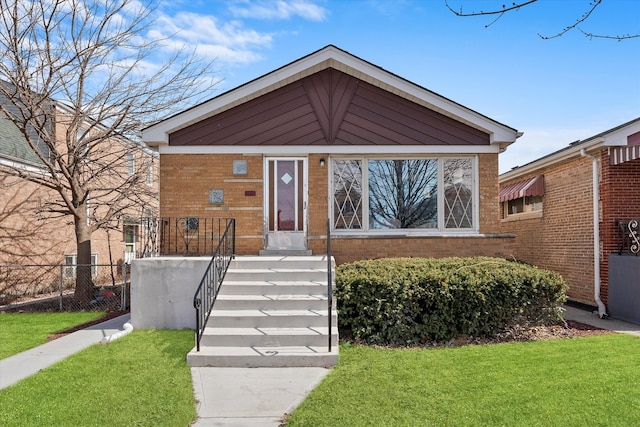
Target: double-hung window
[(131, 163), (373, 194), (149, 178), (70, 264)]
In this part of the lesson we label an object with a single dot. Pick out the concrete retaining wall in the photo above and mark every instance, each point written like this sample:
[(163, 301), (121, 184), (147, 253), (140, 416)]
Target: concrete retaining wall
[(162, 291)]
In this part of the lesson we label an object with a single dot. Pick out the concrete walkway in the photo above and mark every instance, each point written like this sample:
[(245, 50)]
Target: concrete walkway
[(233, 397), (592, 318), (27, 363), (230, 397)]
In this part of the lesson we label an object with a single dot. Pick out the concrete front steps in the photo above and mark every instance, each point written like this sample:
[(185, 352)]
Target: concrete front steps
[(272, 311)]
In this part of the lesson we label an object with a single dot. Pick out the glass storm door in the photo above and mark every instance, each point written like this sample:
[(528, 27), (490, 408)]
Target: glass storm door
[(285, 204)]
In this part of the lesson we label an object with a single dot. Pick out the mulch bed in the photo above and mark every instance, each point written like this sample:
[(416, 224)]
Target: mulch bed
[(570, 329), (517, 333)]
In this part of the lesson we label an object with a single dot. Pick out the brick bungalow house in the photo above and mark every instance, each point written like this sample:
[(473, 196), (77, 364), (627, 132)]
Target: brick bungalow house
[(331, 142), (558, 203)]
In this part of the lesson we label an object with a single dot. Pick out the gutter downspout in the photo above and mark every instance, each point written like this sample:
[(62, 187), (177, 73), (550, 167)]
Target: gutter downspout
[(602, 310)]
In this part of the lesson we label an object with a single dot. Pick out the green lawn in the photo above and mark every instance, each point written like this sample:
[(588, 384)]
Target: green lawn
[(22, 331), (574, 382), (141, 379)]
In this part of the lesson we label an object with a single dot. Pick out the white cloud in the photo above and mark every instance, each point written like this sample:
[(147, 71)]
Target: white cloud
[(281, 9), (537, 143), (227, 42)]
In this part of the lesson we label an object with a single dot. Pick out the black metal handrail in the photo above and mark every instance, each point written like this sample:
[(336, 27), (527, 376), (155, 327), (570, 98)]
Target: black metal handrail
[(211, 282), (330, 280)]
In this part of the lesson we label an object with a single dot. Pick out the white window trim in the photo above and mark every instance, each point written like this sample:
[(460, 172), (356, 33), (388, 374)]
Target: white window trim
[(507, 216), (522, 216), (149, 178), (440, 231), (72, 266)]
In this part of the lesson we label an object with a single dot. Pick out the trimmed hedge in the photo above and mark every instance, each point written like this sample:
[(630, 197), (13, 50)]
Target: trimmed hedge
[(409, 301)]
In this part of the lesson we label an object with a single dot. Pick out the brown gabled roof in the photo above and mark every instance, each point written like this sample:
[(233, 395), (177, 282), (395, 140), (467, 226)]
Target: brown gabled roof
[(329, 57)]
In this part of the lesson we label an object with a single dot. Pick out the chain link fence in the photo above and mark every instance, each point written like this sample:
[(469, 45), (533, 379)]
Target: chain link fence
[(34, 288)]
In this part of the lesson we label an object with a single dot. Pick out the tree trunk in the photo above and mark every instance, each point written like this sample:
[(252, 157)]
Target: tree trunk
[(84, 293)]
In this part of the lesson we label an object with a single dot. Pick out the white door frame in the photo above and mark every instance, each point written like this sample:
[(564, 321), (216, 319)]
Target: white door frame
[(279, 239)]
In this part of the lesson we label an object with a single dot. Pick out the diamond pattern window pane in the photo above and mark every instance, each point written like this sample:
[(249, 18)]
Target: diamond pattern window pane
[(403, 194), (347, 194), (286, 178), (458, 193)]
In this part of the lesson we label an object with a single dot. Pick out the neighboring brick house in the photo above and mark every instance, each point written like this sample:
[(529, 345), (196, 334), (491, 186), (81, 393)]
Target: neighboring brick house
[(30, 236), (330, 139), (550, 203)]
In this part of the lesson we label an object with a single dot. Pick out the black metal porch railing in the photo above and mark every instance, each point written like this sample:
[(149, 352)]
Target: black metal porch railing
[(209, 287), (183, 236), (630, 231)]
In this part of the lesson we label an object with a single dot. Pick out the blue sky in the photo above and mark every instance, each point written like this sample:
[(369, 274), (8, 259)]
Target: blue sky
[(555, 91)]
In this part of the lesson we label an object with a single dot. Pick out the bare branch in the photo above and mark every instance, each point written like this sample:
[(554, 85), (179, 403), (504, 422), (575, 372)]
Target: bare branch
[(78, 79), (499, 12), (599, 36), (516, 6), (583, 18)]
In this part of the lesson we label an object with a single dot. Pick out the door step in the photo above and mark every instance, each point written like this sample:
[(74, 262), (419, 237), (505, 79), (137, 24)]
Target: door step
[(264, 357), (285, 252)]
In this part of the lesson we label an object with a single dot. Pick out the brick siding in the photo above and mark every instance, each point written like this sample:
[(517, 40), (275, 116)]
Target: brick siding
[(185, 181), (620, 201), (29, 236), (562, 239)]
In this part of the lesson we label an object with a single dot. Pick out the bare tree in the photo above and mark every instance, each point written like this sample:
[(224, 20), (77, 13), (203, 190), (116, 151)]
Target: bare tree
[(500, 11), (19, 225), (403, 193), (79, 80)]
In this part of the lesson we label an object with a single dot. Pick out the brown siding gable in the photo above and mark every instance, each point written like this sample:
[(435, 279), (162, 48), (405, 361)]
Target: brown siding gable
[(329, 108)]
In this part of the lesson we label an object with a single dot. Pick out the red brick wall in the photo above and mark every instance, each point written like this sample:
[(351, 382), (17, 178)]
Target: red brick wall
[(620, 195), (28, 235)]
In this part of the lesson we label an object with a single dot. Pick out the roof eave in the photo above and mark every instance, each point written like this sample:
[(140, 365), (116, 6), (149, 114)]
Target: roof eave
[(158, 134), (554, 158)]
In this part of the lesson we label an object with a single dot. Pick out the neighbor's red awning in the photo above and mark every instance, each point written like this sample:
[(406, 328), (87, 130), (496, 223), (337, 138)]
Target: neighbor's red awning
[(527, 188)]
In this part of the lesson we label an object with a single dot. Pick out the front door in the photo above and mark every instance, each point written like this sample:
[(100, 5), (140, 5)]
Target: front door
[(285, 203)]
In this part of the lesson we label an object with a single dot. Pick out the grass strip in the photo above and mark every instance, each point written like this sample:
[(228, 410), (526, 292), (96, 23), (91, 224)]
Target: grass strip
[(141, 379), (572, 382), (22, 331)]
